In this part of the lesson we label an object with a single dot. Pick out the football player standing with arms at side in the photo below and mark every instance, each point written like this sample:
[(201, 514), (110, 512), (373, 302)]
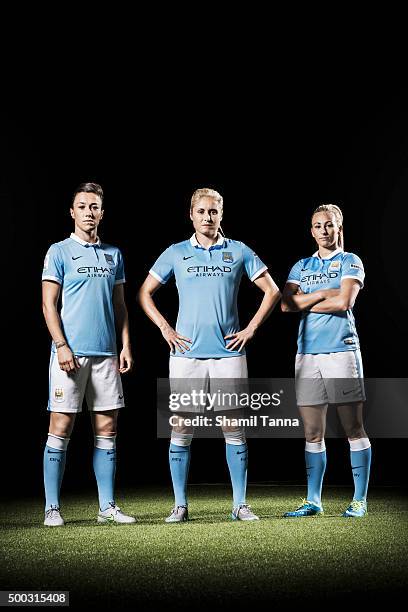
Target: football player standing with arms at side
[(207, 342), (324, 288), (84, 361)]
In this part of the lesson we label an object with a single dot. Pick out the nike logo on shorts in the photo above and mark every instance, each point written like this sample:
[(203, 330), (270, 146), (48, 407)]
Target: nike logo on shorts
[(74, 258), (351, 391), (184, 258)]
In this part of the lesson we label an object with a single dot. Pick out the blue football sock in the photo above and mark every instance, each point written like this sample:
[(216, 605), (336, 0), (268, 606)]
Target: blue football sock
[(54, 466), (315, 469), (179, 460), (237, 459), (360, 465), (104, 464)]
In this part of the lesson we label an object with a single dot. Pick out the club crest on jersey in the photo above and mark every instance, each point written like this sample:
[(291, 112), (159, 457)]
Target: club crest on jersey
[(59, 394), (227, 257), (334, 266), (109, 259)]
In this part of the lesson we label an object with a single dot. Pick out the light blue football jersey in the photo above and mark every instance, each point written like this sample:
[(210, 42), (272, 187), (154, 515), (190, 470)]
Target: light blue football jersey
[(207, 281), (87, 274), (327, 332)]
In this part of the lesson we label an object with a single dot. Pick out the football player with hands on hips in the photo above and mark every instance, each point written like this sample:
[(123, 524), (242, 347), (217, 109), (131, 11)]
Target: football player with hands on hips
[(207, 342), (89, 275), (328, 369)]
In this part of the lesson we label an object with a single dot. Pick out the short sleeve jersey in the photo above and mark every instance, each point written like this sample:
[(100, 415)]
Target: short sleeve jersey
[(87, 274), (207, 281), (327, 332)]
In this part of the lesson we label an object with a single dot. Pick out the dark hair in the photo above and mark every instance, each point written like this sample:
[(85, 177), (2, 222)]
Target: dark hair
[(88, 188)]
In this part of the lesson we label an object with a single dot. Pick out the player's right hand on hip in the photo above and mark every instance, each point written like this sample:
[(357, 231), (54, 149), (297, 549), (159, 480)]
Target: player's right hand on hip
[(175, 340)]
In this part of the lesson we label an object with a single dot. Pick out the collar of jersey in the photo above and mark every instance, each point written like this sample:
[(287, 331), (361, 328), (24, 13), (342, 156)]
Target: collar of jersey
[(217, 245), (336, 252), (83, 242)]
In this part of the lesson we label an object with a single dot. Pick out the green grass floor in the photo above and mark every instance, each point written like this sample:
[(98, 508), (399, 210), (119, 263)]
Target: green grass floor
[(210, 561)]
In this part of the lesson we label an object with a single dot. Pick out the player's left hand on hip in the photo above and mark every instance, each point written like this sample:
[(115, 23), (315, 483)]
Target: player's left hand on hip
[(239, 340)]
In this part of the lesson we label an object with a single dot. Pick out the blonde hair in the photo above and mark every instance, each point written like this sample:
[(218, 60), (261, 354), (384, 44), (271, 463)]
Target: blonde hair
[(335, 210), (206, 192)]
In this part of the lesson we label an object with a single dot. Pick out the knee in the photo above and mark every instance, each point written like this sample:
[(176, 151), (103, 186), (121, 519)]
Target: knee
[(61, 425), (355, 432), (107, 432), (313, 434)]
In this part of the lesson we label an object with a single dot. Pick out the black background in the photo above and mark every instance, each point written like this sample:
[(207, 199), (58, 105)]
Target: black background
[(273, 158)]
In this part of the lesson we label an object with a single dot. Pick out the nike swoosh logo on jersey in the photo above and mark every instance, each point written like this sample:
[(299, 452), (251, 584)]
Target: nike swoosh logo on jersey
[(184, 258), (304, 269), (74, 258)]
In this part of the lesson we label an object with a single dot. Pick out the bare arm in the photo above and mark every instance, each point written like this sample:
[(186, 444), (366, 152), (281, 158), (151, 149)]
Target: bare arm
[(293, 300), (341, 302), (270, 299), (50, 294), (122, 324), (172, 337)]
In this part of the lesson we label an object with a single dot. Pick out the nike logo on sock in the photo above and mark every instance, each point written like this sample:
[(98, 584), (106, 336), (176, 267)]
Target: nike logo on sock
[(240, 452), (120, 396), (351, 391)]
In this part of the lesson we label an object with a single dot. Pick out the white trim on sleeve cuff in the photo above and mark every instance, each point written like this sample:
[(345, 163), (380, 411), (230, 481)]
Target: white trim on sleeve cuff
[(120, 282), (157, 277), (355, 278), (52, 278), (258, 273), (292, 280)]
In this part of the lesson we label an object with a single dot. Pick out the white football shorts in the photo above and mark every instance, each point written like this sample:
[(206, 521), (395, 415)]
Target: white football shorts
[(329, 378), (98, 380), (204, 375)]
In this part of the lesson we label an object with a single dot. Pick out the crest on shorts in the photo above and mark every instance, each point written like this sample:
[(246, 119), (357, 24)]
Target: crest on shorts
[(109, 259), (59, 394), (227, 257)]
